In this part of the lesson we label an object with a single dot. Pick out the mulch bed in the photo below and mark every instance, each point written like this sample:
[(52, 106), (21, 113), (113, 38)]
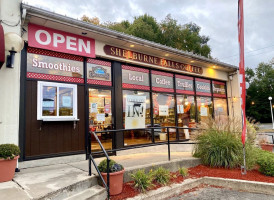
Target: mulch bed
[(198, 172)]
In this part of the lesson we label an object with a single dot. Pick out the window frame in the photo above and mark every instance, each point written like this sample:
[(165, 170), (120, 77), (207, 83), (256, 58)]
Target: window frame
[(40, 85)]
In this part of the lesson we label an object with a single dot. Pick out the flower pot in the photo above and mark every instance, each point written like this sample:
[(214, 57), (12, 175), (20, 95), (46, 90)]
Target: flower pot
[(116, 180), (267, 147), (7, 169)]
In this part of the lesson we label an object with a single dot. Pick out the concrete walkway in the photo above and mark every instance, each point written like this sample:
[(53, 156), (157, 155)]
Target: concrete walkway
[(41, 182)]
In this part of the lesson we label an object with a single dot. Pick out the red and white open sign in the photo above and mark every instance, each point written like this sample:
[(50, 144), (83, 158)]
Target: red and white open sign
[(55, 40)]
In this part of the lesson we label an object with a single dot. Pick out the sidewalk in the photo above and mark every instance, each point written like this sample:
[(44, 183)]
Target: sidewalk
[(45, 181)]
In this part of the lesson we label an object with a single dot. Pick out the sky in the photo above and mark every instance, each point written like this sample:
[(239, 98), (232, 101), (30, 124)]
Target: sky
[(217, 19)]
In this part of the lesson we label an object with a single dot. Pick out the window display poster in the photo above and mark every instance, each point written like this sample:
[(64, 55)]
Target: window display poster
[(66, 101), (107, 108), (163, 110), (100, 117), (93, 108), (48, 103), (204, 111), (135, 111), (180, 109)]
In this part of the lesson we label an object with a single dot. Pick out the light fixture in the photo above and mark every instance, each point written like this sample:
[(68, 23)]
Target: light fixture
[(166, 54), (13, 43), (214, 66), (252, 102), (132, 45), (192, 61)]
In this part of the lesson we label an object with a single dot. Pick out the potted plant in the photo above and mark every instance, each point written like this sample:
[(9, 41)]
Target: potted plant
[(265, 145), (9, 153), (116, 175)]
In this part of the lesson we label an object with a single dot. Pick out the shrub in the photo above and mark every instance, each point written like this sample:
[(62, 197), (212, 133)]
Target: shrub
[(183, 171), (9, 151), (266, 163), (142, 181), (113, 166), (161, 176), (218, 149)]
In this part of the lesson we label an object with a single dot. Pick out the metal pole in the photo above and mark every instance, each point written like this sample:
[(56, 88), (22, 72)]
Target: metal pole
[(271, 114), (243, 168), (168, 144)]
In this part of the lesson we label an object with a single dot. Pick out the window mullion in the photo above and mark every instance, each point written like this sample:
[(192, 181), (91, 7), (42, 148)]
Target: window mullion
[(57, 99)]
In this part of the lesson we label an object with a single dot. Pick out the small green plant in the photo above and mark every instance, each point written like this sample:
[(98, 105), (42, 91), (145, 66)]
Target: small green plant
[(113, 166), (9, 151), (142, 181), (266, 162), (161, 176), (183, 171)]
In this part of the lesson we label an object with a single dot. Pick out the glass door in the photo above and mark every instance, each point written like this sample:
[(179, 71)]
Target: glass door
[(100, 117)]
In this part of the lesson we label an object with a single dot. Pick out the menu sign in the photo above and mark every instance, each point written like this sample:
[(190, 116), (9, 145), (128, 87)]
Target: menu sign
[(184, 84), (42, 64), (162, 82), (136, 78), (203, 87), (219, 89)]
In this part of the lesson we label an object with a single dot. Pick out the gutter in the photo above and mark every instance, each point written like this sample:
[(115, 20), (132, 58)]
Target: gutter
[(122, 36)]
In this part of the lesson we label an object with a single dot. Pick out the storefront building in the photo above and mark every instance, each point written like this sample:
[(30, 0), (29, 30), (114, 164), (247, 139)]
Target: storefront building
[(77, 77)]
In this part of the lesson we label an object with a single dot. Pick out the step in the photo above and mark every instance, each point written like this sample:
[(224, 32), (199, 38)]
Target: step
[(94, 193), (72, 189)]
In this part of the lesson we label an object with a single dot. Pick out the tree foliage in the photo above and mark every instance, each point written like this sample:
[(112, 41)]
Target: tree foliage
[(261, 87), (168, 32)]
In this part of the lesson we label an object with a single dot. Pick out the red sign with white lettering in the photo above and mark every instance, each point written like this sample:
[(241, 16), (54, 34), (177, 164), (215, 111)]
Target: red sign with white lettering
[(55, 40)]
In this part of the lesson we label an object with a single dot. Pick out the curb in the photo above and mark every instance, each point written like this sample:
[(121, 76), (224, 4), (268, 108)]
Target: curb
[(176, 189)]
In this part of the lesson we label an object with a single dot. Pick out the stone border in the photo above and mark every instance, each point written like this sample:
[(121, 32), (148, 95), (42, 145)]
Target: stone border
[(176, 189)]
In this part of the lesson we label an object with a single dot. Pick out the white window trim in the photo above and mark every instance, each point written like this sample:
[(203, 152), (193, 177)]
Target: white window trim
[(40, 86)]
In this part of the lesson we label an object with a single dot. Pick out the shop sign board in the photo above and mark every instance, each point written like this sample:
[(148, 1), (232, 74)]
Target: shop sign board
[(163, 110), (203, 87), (136, 78), (99, 72), (184, 84), (60, 41), (42, 64), (219, 89), (135, 112), (162, 81), (149, 59)]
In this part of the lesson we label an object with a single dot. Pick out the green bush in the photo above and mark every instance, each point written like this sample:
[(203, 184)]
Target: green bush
[(142, 181), (161, 175), (9, 151), (183, 171), (218, 149), (113, 166), (266, 163)]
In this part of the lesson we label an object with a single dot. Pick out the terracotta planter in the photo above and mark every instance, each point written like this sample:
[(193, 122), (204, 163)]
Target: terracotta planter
[(116, 181), (7, 169), (267, 147)]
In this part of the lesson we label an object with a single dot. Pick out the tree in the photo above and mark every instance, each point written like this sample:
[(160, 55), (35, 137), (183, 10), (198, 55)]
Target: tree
[(184, 37), (261, 87), (93, 20)]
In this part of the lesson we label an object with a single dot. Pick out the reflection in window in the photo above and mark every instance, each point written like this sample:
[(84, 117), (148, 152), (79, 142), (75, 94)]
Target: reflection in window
[(186, 114), (65, 101), (204, 108), (136, 114), (220, 108), (163, 115), (49, 104)]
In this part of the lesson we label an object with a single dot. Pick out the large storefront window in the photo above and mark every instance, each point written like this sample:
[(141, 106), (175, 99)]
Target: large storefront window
[(204, 108), (136, 114), (100, 117), (163, 115), (220, 108), (185, 114)]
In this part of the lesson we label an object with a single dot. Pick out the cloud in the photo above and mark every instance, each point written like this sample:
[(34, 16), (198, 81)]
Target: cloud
[(217, 19)]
